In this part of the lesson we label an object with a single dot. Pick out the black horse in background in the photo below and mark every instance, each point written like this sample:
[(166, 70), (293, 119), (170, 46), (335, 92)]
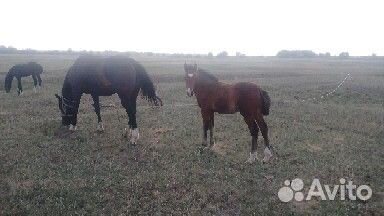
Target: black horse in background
[(104, 76), (23, 70)]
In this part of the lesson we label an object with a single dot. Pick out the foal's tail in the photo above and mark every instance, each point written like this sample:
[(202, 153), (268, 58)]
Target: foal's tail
[(147, 88), (266, 102)]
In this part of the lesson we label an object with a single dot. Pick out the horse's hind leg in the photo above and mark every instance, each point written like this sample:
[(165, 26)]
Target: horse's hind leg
[(96, 105), (130, 107), (264, 131), (254, 130)]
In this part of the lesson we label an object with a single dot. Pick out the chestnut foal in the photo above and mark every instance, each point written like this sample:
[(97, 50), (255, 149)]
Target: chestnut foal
[(214, 96)]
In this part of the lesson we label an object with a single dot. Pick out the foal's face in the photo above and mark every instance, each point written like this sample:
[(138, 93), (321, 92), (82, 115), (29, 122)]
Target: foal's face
[(190, 78)]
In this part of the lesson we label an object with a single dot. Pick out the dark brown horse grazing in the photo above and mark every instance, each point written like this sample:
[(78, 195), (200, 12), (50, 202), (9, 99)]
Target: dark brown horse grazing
[(104, 76), (214, 96), (23, 70)]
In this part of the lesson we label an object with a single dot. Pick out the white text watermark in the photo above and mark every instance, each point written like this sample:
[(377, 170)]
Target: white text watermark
[(342, 190)]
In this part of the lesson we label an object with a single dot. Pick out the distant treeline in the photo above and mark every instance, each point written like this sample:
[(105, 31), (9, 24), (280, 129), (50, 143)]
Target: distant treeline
[(223, 54), (12, 50), (309, 54)]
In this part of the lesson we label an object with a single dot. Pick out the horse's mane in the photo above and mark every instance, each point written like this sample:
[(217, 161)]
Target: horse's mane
[(207, 76)]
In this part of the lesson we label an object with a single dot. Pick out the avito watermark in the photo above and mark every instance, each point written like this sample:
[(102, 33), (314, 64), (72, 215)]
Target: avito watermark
[(293, 190)]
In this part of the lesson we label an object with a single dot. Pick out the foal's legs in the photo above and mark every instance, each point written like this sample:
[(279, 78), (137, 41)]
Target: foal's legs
[(19, 87), (212, 140), (264, 131), (96, 105), (208, 123), (254, 130)]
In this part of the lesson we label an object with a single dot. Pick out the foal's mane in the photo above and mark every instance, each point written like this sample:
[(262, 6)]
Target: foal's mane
[(207, 76)]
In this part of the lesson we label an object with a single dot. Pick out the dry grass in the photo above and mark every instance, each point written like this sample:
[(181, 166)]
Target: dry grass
[(45, 169)]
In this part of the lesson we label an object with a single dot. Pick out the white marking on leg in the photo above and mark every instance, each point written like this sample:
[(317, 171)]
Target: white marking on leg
[(267, 154), (100, 127), (134, 136), (189, 91), (34, 89), (125, 133), (252, 157), (72, 127)]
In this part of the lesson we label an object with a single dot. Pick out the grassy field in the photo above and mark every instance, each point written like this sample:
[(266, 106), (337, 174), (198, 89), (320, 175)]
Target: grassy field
[(44, 169)]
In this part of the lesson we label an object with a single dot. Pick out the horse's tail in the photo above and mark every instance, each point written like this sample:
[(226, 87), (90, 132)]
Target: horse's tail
[(147, 88), (266, 102), (8, 81)]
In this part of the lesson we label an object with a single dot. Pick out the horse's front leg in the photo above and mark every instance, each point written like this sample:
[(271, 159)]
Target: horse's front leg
[(34, 83), (96, 105), (211, 126), (206, 126), (39, 79), (73, 124), (19, 87)]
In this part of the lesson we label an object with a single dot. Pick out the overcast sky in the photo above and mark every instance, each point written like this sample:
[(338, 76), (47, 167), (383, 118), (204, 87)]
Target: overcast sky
[(196, 26)]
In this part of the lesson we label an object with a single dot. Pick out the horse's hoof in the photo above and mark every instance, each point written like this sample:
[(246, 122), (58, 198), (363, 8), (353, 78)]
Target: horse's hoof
[(249, 161), (267, 155), (204, 145), (252, 158), (72, 127), (100, 128), (205, 148), (266, 160), (134, 135), (125, 133)]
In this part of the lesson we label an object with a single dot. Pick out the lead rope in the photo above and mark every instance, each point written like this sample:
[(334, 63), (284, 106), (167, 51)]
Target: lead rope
[(328, 94)]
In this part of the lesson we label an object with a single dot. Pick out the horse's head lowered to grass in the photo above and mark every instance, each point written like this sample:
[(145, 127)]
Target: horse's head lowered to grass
[(104, 76), (23, 70), (67, 110)]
